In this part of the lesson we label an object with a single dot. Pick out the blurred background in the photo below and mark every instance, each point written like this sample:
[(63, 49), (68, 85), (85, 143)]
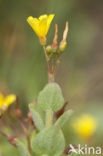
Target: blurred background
[(22, 63)]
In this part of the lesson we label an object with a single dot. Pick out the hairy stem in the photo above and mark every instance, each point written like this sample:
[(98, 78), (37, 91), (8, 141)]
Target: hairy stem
[(47, 59)]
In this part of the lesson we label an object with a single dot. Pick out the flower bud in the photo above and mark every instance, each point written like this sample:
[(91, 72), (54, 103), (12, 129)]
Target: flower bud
[(54, 49), (55, 40), (62, 46), (63, 43), (49, 49)]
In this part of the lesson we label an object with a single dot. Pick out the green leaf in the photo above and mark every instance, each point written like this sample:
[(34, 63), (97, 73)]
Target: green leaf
[(22, 148), (50, 97), (36, 117), (50, 141), (33, 135), (64, 118)]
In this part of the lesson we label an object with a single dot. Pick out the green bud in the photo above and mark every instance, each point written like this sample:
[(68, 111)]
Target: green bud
[(62, 46), (54, 49), (49, 49)]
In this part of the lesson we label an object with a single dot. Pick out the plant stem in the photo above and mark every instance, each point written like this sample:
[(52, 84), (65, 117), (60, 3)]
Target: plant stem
[(57, 63), (29, 145), (47, 59), (50, 77), (53, 63), (28, 137), (49, 113), (49, 117), (55, 69), (26, 131)]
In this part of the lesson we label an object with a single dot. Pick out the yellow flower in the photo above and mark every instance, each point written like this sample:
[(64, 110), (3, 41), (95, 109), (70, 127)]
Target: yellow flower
[(41, 26), (6, 101), (85, 126)]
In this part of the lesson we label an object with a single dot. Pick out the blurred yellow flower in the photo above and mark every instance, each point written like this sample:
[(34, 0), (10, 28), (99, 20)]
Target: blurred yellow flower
[(85, 126), (41, 26), (6, 101)]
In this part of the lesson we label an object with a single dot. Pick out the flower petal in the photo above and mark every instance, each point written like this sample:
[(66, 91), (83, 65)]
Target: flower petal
[(1, 99), (50, 18), (40, 25), (9, 99), (43, 27), (43, 17), (34, 23)]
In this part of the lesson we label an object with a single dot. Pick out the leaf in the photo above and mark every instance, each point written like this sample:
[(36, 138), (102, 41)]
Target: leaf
[(50, 141), (50, 98), (34, 133), (63, 118), (22, 148), (36, 117)]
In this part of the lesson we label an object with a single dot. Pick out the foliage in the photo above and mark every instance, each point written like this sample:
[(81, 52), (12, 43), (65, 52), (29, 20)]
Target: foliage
[(49, 141)]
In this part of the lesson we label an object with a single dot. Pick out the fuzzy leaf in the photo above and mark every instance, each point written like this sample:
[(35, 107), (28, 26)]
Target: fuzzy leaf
[(50, 141), (51, 98), (64, 118), (36, 117), (22, 148)]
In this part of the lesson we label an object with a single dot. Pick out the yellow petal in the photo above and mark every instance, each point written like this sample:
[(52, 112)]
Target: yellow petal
[(40, 25), (44, 24), (50, 18), (9, 99), (34, 23), (32, 20), (43, 27), (1, 99), (43, 17)]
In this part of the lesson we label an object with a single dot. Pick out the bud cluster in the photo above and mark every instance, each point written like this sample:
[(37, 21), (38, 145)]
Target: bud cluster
[(56, 48)]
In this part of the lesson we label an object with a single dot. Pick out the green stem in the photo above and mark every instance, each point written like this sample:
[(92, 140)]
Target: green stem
[(50, 78), (49, 117), (49, 113), (29, 145)]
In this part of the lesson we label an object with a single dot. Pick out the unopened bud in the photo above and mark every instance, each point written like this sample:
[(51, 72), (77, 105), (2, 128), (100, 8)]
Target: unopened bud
[(49, 49), (65, 31), (63, 43), (62, 46), (54, 49), (55, 40)]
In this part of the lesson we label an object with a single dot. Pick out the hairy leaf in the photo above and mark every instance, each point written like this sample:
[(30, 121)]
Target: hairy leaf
[(22, 148), (63, 118), (51, 98), (50, 141), (36, 117)]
